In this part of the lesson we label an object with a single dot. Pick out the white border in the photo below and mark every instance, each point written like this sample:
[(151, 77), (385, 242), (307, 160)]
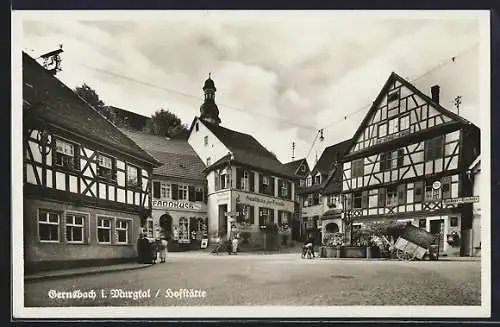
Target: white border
[(19, 311)]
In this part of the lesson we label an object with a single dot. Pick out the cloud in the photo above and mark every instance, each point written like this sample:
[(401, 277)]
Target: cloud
[(310, 69)]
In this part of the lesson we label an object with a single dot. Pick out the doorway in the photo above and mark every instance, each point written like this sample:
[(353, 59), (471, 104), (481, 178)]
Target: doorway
[(437, 228), (222, 220), (165, 223)]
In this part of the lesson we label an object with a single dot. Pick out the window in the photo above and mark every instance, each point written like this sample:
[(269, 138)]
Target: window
[(105, 167), (266, 216), (454, 222), (309, 181), (197, 127), (422, 223), (284, 218), (223, 181), (103, 230), (382, 130), (48, 225), (315, 199), (198, 194), (132, 176), (302, 183), (404, 122), (245, 184), (209, 161), (183, 192), (385, 161), (357, 168), (400, 155), (418, 191), (392, 104), (393, 125), (357, 199), (122, 231), (434, 148), (205, 140), (246, 213), (317, 179), (284, 188), (392, 196), (165, 191), (74, 228), (432, 194), (65, 154), (393, 96)]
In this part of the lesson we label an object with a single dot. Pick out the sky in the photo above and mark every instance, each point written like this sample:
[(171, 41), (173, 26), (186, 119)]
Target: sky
[(280, 76)]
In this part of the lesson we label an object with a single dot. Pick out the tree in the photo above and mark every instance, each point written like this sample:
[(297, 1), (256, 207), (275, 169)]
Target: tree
[(166, 123), (91, 97)]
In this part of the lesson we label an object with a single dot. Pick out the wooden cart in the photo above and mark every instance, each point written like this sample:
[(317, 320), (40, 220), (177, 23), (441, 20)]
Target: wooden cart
[(416, 243)]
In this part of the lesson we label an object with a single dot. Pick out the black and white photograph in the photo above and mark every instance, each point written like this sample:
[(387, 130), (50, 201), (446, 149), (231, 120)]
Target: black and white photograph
[(208, 163)]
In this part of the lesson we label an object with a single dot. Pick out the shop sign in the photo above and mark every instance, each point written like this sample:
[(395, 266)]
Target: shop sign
[(176, 204), (469, 199), (253, 199)]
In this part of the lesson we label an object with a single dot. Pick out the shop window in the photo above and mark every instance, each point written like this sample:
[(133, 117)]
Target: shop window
[(357, 167), (65, 155), (454, 222), (422, 223), (48, 225), (434, 148), (75, 224), (106, 167), (266, 216), (104, 230), (122, 231), (357, 199), (133, 179), (246, 213), (284, 218), (183, 232)]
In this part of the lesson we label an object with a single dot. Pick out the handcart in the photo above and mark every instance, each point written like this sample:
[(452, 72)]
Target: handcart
[(416, 243)]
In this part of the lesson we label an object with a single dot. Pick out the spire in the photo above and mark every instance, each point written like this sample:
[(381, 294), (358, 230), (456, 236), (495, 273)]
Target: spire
[(208, 110)]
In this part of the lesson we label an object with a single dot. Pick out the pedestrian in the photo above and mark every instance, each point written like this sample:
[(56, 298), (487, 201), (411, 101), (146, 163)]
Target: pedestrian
[(163, 249), (235, 245)]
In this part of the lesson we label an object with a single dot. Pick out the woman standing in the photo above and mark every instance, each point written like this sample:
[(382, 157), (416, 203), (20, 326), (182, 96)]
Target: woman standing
[(235, 245), (163, 250)]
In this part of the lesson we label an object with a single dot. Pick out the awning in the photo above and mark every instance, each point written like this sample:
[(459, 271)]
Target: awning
[(332, 213)]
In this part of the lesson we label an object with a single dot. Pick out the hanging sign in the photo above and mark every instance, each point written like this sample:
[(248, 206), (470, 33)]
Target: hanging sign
[(436, 185)]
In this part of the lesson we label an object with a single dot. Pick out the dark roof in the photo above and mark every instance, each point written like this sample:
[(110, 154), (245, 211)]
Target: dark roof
[(248, 151), (294, 165), (395, 77), (178, 158), (329, 156), (46, 97)]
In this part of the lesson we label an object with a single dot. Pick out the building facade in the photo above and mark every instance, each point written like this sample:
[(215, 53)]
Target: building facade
[(86, 184), (179, 192), (248, 188), (301, 169), (408, 162), (474, 174)]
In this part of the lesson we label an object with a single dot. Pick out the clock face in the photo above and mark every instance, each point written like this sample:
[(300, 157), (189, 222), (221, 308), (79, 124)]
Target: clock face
[(436, 185)]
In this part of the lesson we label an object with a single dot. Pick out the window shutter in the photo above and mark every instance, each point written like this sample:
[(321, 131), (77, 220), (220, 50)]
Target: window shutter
[(400, 157), (175, 192), (261, 217), (205, 195), (260, 183), (271, 216), (238, 178), (77, 157), (251, 213), (191, 196), (251, 177), (271, 188), (381, 197), (217, 180), (289, 196), (156, 189), (418, 192), (402, 194), (280, 187), (364, 200), (113, 171)]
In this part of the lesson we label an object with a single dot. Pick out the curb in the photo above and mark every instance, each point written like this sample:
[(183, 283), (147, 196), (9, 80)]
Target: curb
[(86, 273)]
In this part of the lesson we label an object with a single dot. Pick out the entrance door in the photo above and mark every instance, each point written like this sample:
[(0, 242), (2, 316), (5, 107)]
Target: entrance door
[(222, 220), (437, 227)]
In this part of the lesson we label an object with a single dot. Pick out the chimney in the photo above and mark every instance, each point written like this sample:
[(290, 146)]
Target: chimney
[(435, 93)]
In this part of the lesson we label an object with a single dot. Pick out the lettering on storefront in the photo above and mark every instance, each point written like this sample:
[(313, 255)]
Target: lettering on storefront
[(469, 199), (254, 199), (183, 205)]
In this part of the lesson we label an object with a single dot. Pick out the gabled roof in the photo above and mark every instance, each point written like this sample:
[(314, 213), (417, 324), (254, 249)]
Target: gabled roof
[(246, 150), (178, 158), (329, 156), (296, 164), (45, 97), (393, 78), (327, 165)]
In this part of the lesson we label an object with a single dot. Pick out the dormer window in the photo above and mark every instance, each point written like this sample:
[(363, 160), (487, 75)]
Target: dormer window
[(317, 179)]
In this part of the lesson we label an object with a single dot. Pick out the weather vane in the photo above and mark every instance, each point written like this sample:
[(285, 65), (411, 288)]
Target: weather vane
[(458, 102), (293, 150)]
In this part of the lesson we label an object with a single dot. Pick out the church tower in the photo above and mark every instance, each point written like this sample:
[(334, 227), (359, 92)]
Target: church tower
[(208, 110)]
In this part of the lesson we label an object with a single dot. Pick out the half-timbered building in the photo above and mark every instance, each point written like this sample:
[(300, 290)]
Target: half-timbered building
[(86, 184), (408, 162)]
